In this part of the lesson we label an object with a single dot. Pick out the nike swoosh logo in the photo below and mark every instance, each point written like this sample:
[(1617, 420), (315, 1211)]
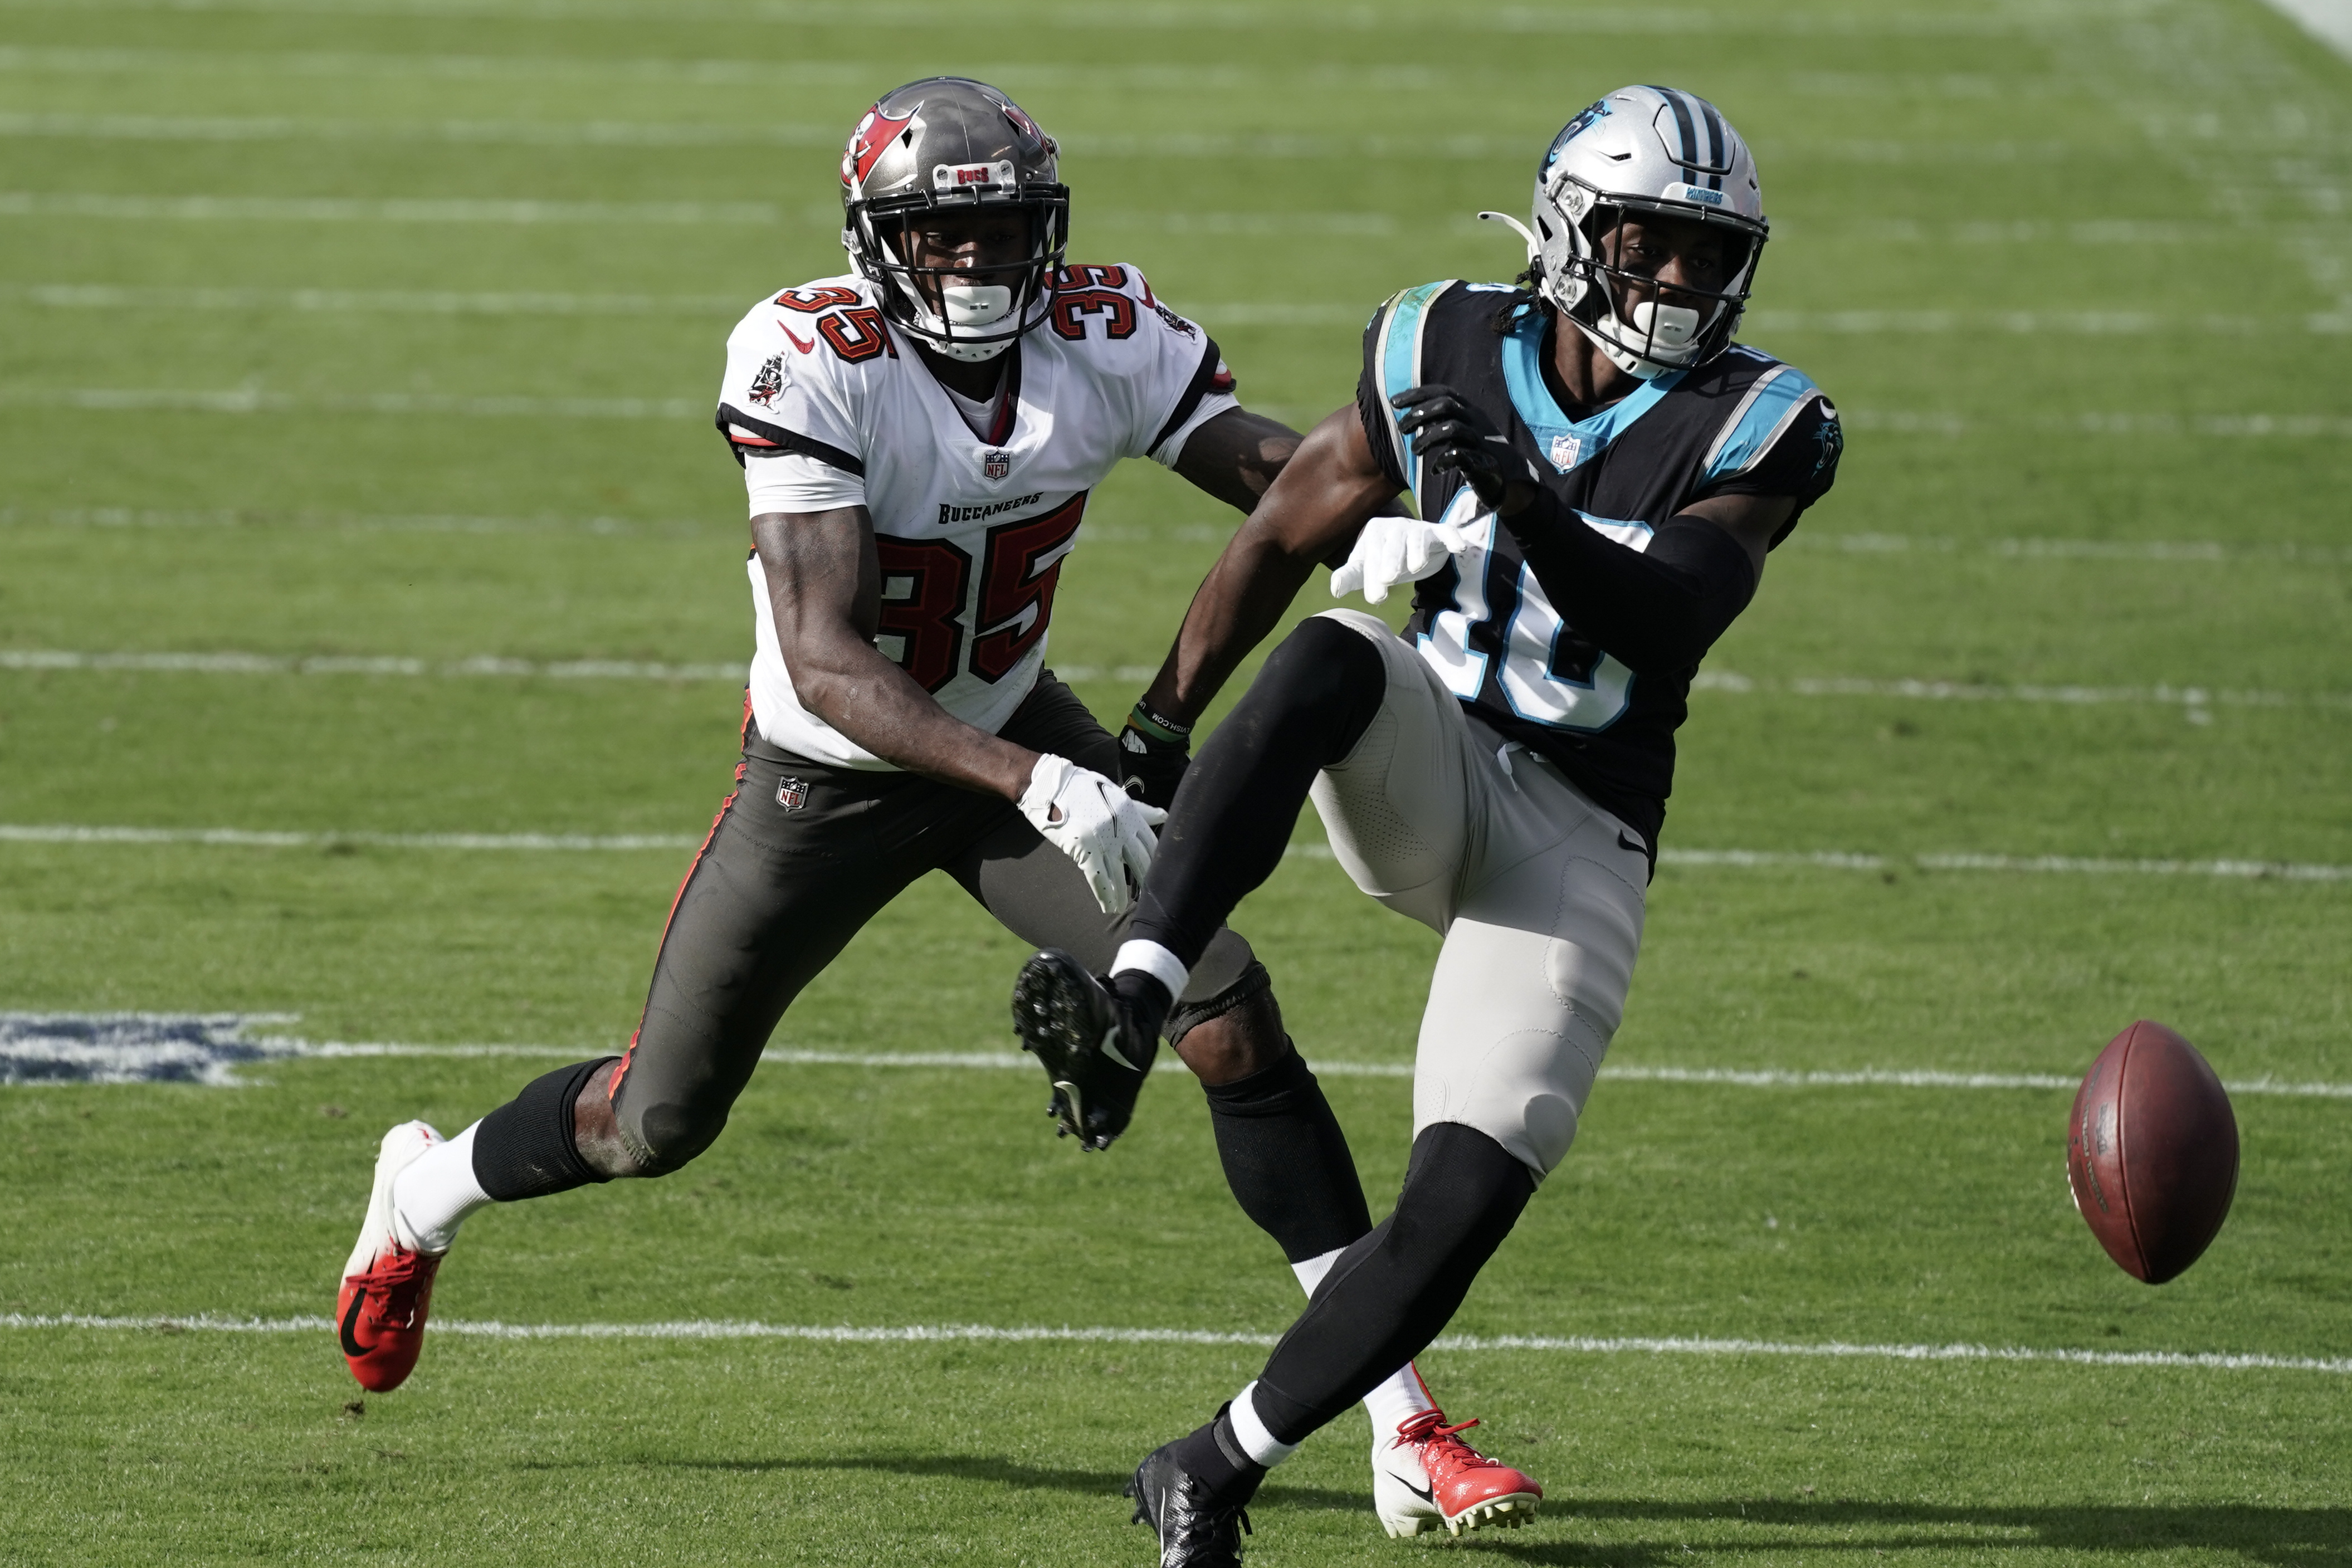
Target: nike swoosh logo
[(1628, 842), (1426, 1494), (808, 346), (1110, 1048), (352, 1346)]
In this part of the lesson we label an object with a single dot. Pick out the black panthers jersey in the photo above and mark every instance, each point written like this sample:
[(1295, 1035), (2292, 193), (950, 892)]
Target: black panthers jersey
[(1741, 423)]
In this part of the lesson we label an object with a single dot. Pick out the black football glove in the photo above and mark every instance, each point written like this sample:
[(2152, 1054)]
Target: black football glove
[(1447, 432), (1152, 757)]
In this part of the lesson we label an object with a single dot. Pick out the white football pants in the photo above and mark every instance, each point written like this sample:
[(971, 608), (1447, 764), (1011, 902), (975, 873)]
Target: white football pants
[(1539, 892)]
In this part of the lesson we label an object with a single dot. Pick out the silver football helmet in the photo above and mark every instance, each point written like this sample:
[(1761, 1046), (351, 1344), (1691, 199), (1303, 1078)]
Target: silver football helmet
[(1643, 150), (952, 142)]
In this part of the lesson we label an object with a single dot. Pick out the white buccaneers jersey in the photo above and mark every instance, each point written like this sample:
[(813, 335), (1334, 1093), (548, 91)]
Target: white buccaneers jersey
[(827, 404)]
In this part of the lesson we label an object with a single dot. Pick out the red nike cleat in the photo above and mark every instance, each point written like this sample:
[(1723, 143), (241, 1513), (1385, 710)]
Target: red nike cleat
[(1425, 1477), (380, 1315)]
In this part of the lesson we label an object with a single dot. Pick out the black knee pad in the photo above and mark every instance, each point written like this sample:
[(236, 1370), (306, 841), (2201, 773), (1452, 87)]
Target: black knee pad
[(526, 1147), (1185, 1016)]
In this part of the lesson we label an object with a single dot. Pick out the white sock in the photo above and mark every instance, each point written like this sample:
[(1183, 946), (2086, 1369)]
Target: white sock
[(434, 1193), (1397, 1397), (1155, 961), (1256, 1442)]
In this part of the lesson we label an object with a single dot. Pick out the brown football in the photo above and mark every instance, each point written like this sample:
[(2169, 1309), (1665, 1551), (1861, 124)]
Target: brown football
[(2152, 1151)]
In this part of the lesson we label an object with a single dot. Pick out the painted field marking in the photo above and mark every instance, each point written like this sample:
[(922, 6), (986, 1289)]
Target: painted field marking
[(1237, 313), (935, 1334), (481, 666), (208, 1048), (2202, 551), (450, 302), (253, 401), (2199, 551), (2195, 700), (1834, 860), (1304, 146), (231, 664)]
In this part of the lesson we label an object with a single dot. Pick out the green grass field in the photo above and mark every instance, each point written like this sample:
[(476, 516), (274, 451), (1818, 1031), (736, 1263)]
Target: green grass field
[(340, 331)]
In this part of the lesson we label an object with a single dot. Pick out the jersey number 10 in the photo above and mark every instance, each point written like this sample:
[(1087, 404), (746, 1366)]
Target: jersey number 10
[(1549, 674)]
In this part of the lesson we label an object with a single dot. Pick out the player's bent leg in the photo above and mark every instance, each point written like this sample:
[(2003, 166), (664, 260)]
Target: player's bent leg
[(1398, 808), (1531, 982), (768, 902), (1233, 816)]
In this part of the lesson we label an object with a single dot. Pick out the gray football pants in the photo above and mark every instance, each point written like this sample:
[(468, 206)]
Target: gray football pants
[(801, 856), (1539, 892)]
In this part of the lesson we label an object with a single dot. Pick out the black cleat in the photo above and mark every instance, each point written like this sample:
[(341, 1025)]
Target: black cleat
[(1195, 1530), (1096, 1045)]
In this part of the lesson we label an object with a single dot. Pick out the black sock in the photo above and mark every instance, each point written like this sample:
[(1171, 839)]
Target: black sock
[(1148, 1003), (526, 1147), (1214, 1455), (1233, 815), (1393, 1291), (1286, 1159)]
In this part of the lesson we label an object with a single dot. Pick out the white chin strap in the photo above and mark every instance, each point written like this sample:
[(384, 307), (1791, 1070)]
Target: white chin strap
[(1668, 336), (971, 308)]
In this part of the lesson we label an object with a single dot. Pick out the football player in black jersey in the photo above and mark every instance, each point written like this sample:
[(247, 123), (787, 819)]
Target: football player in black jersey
[(1599, 472)]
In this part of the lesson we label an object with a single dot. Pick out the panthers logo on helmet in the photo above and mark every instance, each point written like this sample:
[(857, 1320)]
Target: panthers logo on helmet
[(870, 142)]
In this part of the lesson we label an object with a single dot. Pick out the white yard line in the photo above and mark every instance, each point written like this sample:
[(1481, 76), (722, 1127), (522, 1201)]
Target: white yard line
[(2196, 552), (231, 664), (1263, 313), (251, 401), (2197, 702), (935, 1334), (241, 838), (1836, 860), (2194, 700), (116, 1047), (255, 401), (1621, 1072)]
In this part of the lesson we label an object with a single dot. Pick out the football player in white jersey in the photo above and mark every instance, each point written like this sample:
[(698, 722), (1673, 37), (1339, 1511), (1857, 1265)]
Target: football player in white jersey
[(919, 437)]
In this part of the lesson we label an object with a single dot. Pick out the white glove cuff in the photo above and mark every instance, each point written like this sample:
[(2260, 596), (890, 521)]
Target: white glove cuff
[(1045, 783)]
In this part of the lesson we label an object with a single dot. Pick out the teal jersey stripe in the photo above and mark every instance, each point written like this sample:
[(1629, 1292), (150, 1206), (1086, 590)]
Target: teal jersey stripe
[(1400, 366), (1770, 403)]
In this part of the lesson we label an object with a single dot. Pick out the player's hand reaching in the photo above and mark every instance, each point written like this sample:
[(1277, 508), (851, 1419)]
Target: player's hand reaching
[(1095, 822), (1448, 433), (1391, 550)]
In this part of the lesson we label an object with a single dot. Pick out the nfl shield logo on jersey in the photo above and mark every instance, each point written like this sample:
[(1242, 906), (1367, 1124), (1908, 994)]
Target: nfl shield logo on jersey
[(792, 794), (995, 464), (1565, 450)]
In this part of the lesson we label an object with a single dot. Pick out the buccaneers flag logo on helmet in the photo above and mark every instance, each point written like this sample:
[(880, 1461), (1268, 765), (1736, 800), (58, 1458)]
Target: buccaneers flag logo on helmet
[(870, 142)]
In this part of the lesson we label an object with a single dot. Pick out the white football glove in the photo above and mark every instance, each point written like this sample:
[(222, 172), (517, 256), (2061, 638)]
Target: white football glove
[(1392, 550), (1095, 822)]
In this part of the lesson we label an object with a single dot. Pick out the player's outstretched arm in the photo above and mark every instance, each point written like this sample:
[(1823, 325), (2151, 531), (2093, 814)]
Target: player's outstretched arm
[(1314, 506), (1236, 456), (824, 591)]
